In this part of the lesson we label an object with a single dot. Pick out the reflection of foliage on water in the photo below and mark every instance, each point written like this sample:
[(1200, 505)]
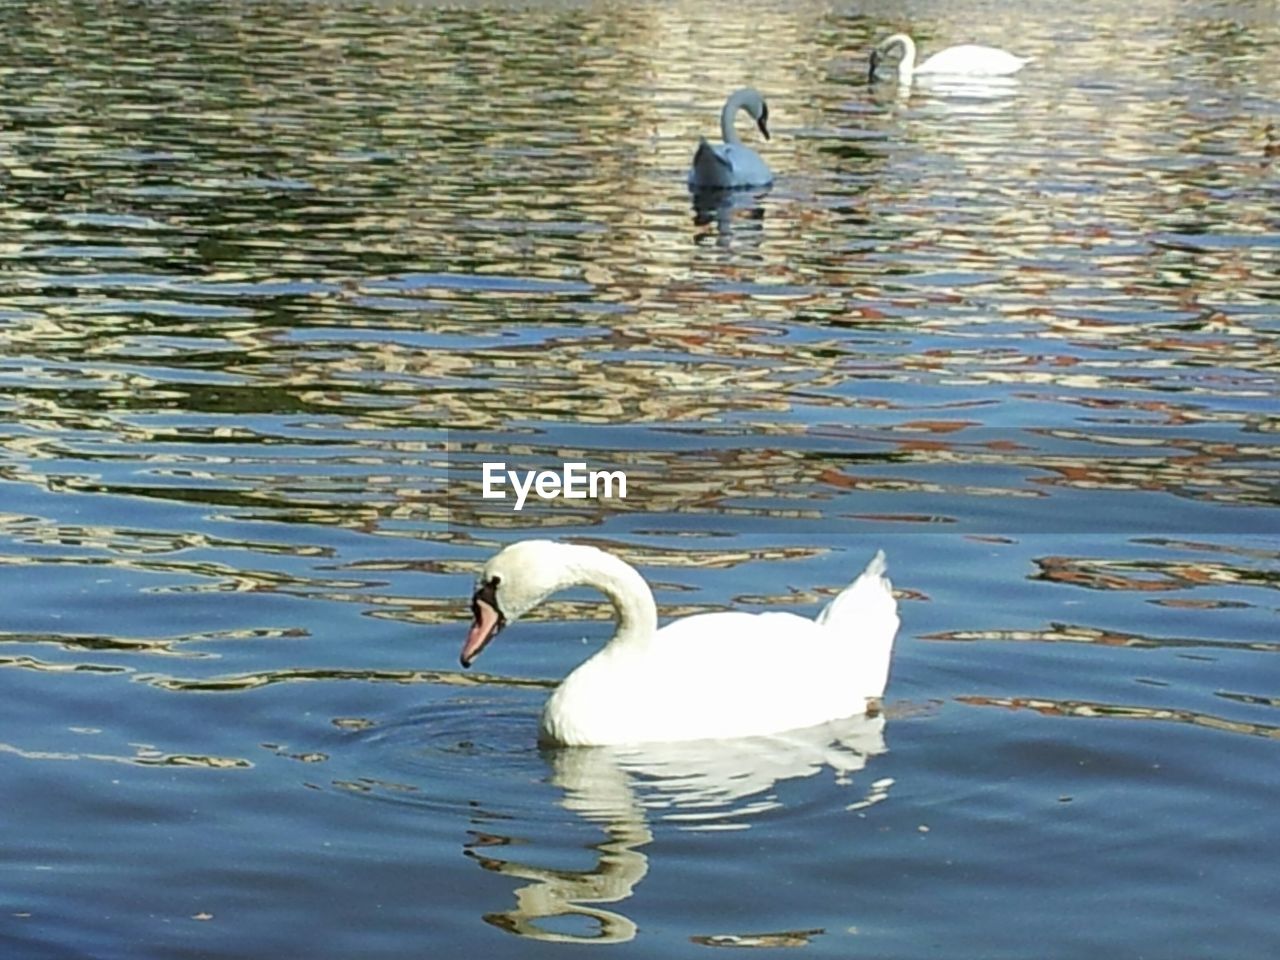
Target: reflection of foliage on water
[(143, 756), (1150, 575), (252, 681), (1077, 633), (1085, 708), (148, 646), (226, 273), (781, 938)]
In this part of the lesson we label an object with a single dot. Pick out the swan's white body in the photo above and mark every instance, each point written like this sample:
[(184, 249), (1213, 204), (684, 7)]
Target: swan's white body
[(713, 675), (965, 60), (732, 164)]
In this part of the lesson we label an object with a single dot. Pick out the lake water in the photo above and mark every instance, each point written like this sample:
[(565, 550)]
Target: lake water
[(279, 277)]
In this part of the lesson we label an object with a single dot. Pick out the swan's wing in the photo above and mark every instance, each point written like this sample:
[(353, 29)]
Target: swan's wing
[(736, 630), (727, 166), (778, 668), (749, 170), (717, 675), (973, 59), (734, 645)]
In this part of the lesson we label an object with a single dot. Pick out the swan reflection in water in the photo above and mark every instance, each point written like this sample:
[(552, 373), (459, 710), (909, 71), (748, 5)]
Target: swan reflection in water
[(954, 91), (704, 785), (736, 214)]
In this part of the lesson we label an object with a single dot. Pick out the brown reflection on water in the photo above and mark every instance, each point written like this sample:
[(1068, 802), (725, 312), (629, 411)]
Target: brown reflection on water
[(782, 938), (275, 225), (172, 646), (253, 681), (1150, 575), (1078, 633), (144, 756), (1085, 708)]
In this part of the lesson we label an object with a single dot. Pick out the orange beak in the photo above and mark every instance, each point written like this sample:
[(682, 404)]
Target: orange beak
[(485, 626)]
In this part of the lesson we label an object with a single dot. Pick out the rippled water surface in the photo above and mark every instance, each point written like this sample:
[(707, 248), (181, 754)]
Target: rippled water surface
[(277, 278)]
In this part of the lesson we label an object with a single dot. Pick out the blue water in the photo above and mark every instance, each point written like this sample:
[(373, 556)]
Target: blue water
[(280, 278)]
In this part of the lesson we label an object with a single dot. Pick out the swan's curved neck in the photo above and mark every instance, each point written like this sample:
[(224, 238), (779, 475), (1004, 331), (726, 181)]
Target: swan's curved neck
[(727, 114), (907, 62), (632, 600)]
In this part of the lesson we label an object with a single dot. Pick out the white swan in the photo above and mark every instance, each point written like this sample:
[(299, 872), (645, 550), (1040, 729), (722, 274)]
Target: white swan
[(733, 164), (967, 60), (712, 675)]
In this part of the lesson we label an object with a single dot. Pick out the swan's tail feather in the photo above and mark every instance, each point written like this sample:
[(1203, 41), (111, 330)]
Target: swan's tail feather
[(865, 615), (877, 566), (871, 591)]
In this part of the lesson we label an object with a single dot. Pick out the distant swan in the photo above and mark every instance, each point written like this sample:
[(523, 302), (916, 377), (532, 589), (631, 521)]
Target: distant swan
[(733, 164), (967, 59), (712, 675)]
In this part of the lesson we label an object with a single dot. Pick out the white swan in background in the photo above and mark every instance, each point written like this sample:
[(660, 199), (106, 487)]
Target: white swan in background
[(733, 164), (712, 675), (965, 60)]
